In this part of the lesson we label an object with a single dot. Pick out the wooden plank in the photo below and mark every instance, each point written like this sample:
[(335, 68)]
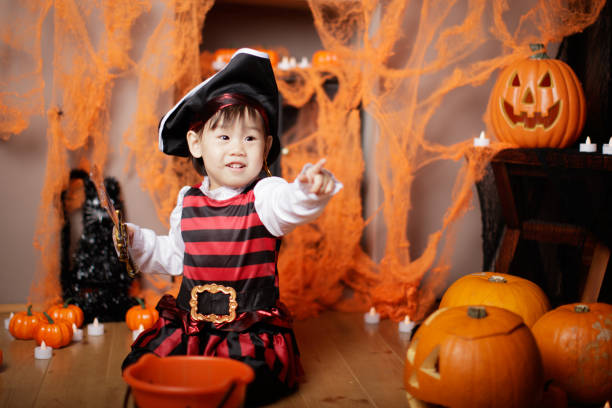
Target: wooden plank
[(566, 158), (92, 367), (329, 379), (507, 249), (376, 366), (595, 277), (20, 374)]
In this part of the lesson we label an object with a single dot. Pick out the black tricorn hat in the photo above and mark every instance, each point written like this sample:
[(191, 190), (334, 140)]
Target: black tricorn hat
[(247, 79)]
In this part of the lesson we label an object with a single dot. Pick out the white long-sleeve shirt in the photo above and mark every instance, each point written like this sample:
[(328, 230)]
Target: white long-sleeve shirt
[(281, 206)]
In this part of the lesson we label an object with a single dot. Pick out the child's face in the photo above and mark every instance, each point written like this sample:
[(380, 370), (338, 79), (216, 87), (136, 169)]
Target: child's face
[(233, 152)]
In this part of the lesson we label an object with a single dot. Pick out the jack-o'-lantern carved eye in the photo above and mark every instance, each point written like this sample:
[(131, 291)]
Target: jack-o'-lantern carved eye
[(516, 81), (546, 81)]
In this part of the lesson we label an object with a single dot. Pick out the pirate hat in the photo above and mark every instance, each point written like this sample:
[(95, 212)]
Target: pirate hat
[(248, 79)]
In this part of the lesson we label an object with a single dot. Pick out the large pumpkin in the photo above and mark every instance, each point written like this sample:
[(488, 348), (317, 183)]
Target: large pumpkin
[(537, 102), (575, 341), (474, 356), (510, 292)]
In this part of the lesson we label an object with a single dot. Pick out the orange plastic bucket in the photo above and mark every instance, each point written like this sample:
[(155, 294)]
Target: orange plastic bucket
[(194, 381)]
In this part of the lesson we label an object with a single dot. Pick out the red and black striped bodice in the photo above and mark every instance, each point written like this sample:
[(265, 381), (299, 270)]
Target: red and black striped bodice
[(227, 244)]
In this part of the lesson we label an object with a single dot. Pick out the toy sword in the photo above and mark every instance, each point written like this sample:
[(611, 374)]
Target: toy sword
[(121, 232)]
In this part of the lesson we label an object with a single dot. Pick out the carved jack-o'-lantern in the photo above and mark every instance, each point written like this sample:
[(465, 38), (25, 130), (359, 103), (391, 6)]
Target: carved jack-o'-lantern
[(474, 356), (537, 102)]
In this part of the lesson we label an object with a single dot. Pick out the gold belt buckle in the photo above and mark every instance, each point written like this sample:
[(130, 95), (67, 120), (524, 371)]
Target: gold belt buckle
[(213, 288)]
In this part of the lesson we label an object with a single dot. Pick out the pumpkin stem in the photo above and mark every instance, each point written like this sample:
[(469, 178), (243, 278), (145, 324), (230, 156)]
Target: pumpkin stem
[(582, 308), (67, 302), (540, 51), (29, 310), (141, 303), (48, 318), (477, 312), (497, 279)]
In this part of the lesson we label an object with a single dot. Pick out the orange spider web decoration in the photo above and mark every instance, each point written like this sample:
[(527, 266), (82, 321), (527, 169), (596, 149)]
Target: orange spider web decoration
[(322, 264)]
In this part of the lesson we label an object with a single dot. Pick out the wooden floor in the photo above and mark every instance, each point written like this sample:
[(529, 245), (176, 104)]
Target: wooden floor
[(347, 363)]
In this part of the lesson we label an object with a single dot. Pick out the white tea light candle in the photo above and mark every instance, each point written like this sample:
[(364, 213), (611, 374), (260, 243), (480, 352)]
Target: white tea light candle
[(136, 333), (482, 140), (7, 321), (371, 317), (406, 326), (587, 146), (95, 329), (77, 334), (43, 352), (606, 148)]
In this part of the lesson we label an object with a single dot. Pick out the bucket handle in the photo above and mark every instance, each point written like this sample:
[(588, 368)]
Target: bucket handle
[(126, 398), (228, 393)]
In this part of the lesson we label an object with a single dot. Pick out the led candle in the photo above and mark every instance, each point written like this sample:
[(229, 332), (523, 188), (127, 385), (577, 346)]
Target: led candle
[(7, 321), (136, 333), (304, 63), (406, 326), (43, 352), (607, 147), (587, 146), (95, 328), (77, 334), (481, 141), (284, 64), (371, 317)]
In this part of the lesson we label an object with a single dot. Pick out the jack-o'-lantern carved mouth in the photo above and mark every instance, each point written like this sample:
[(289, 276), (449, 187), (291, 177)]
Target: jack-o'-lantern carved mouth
[(538, 118)]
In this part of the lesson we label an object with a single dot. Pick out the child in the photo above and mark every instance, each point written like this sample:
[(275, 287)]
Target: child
[(225, 232)]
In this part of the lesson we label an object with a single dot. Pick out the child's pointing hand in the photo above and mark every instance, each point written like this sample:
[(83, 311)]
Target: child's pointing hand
[(320, 180)]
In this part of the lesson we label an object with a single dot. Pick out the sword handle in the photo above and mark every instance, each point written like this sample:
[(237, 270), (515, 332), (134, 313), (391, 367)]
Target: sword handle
[(122, 239)]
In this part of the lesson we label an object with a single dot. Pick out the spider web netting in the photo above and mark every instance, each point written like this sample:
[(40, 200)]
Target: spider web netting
[(322, 265)]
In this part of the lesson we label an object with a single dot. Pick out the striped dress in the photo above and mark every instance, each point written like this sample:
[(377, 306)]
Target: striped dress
[(228, 247)]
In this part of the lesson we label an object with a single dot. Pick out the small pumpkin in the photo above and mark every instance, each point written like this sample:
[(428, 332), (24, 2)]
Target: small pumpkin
[(510, 292), (474, 356), (537, 102), (141, 315), (67, 311), (56, 333), (575, 341), (324, 58), (23, 324)]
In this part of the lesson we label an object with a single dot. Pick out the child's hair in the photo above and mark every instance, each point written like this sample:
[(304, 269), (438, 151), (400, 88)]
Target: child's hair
[(222, 116)]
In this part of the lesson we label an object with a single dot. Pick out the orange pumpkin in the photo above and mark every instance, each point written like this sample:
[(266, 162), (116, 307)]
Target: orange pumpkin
[(23, 324), (510, 292), (141, 315), (67, 311), (474, 356), (575, 341), (55, 333), (537, 102), (324, 58)]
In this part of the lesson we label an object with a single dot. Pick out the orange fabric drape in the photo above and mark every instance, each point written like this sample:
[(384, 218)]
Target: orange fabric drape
[(399, 80)]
